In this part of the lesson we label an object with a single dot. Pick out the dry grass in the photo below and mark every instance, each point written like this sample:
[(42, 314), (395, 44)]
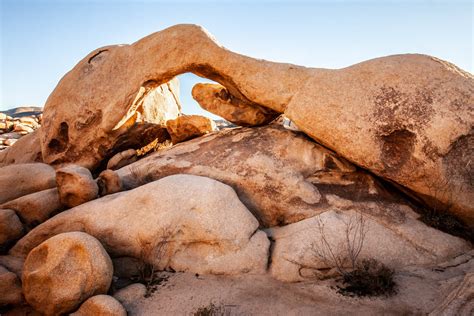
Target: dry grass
[(152, 255)]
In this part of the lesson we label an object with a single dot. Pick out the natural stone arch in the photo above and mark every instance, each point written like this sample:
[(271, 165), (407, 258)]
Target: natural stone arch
[(353, 110)]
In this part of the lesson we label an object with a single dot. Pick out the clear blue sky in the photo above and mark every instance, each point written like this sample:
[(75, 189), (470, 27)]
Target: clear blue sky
[(41, 40)]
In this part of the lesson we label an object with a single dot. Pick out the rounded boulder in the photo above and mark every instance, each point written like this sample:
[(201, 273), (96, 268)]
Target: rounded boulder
[(103, 305), (64, 271), (75, 185)]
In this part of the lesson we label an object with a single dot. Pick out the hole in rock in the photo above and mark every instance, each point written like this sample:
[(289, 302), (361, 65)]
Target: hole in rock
[(58, 144)]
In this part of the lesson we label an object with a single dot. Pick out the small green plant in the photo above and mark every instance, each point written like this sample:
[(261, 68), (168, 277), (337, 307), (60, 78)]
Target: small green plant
[(210, 310)]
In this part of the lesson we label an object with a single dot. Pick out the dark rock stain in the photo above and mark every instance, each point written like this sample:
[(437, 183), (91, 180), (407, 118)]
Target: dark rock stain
[(397, 149)]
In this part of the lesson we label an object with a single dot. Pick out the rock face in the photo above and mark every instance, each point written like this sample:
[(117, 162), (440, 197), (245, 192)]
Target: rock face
[(22, 179), (75, 185), (10, 228), (189, 126), (10, 288), (411, 123), (64, 271), (175, 222), (281, 176), (88, 134), (407, 118), (102, 305), (216, 99), (391, 235)]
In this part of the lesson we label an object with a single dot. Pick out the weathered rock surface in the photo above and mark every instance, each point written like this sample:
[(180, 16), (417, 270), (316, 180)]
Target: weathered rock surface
[(101, 305), (186, 127), (122, 159), (175, 222), (460, 301), (281, 176), (75, 185), (26, 150), (393, 236), (35, 208), (11, 228), (65, 270), (407, 118), (22, 179), (91, 133), (216, 99), (109, 182), (10, 288)]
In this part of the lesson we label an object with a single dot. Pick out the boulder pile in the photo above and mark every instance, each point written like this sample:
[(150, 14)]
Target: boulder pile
[(18, 122), (312, 172)]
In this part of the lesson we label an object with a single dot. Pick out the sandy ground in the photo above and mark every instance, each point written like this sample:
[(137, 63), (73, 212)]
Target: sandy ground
[(420, 290)]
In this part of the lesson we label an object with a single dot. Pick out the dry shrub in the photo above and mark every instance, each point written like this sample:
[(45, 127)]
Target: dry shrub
[(366, 278), (369, 278), (211, 310)]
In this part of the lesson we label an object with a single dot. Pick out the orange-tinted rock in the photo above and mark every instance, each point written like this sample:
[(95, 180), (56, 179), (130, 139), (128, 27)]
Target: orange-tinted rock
[(75, 185), (407, 118), (187, 127), (101, 305), (64, 271), (216, 99)]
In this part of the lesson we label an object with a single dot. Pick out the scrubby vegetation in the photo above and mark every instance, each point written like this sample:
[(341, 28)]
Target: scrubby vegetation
[(210, 310), (358, 278), (369, 278), (151, 255)]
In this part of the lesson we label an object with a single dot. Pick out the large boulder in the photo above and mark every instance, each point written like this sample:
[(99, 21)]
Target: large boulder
[(389, 233), (101, 305), (22, 179), (75, 185), (65, 270), (407, 118), (184, 222), (216, 99), (281, 176)]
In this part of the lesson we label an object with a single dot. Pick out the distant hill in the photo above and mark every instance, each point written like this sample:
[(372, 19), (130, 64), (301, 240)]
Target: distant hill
[(23, 111)]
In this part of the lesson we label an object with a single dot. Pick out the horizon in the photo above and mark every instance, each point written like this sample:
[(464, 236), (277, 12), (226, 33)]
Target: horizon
[(36, 53)]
